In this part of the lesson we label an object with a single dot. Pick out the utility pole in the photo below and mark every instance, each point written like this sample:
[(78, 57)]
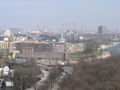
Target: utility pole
[(65, 52), (8, 47)]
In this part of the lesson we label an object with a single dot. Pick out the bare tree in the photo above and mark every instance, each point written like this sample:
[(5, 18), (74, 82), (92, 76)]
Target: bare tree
[(25, 76), (104, 75)]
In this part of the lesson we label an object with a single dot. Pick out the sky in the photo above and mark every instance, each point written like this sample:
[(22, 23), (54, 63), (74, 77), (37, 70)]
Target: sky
[(88, 14)]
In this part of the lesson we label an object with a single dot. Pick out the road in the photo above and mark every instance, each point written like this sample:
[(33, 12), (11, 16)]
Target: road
[(41, 82), (56, 85), (44, 78)]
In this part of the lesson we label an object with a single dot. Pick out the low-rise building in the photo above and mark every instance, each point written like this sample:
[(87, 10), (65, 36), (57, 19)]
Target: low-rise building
[(69, 47), (35, 49), (6, 47)]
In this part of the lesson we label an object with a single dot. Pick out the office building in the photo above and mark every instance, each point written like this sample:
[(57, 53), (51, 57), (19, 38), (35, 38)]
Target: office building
[(102, 29)]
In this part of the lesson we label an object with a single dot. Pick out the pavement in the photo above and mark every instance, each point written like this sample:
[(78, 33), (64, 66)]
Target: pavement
[(41, 82), (44, 78), (56, 85)]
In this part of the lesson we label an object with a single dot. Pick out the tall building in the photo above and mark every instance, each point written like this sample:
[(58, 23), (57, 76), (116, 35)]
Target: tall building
[(62, 39), (102, 29), (8, 33)]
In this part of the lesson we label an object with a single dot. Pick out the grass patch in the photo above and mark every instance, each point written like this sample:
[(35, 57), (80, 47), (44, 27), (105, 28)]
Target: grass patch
[(81, 55)]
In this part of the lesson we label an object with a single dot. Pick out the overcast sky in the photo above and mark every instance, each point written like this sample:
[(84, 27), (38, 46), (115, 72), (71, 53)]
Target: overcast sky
[(54, 13)]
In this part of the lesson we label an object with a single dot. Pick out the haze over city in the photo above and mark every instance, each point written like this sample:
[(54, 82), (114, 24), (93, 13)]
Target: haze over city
[(53, 14), (59, 44)]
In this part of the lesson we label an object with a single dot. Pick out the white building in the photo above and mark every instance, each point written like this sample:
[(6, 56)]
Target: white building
[(8, 33)]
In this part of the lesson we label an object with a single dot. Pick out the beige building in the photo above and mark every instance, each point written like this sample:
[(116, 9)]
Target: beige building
[(35, 49), (69, 48), (7, 45), (35, 45)]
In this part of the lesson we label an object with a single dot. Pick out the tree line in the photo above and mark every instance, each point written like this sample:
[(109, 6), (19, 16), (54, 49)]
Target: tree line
[(104, 75)]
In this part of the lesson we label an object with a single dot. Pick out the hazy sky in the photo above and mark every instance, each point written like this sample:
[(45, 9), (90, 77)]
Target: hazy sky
[(54, 13)]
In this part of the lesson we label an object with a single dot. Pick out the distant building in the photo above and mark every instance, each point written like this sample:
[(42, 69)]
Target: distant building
[(35, 49), (6, 47), (81, 37), (35, 45), (102, 29), (8, 33), (70, 48), (87, 37), (3, 52), (62, 40), (71, 36)]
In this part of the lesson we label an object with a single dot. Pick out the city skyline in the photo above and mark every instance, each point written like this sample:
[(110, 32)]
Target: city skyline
[(52, 14)]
